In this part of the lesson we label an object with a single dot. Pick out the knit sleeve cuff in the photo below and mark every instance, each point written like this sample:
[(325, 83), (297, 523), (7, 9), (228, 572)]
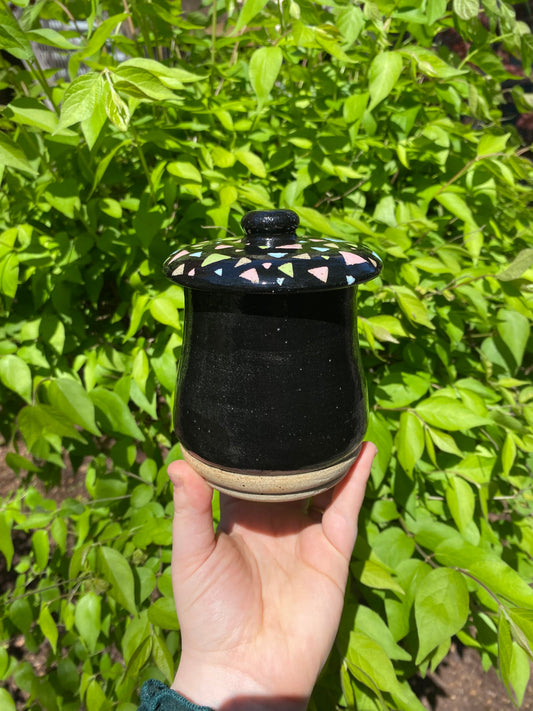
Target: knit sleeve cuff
[(156, 696)]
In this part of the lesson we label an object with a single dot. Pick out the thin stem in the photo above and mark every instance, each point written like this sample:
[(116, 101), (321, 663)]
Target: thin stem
[(49, 587), (144, 164), (214, 32), (481, 585)]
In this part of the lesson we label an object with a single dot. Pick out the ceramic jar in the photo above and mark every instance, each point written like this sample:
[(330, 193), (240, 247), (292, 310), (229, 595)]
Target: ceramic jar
[(271, 401)]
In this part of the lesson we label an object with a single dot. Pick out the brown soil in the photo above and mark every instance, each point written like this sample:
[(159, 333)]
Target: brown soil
[(460, 684)]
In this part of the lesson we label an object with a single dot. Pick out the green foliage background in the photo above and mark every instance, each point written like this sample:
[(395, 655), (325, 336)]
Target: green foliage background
[(359, 117)]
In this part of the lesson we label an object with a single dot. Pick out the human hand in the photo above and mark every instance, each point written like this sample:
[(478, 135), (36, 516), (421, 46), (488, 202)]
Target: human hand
[(259, 604)]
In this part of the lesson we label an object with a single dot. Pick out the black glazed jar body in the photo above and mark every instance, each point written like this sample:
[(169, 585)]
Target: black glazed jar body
[(270, 401), (271, 384)]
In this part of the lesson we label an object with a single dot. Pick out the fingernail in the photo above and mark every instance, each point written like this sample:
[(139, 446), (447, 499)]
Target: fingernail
[(177, 481)]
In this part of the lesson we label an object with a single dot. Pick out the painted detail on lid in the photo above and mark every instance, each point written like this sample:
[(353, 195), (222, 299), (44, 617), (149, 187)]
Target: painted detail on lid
[(253, 264)]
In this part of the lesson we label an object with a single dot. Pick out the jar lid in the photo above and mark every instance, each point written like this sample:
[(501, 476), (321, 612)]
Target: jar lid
[(272, 259)]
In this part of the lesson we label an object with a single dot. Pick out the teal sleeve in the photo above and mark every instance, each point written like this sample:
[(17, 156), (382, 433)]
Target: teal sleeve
[(156, 696)]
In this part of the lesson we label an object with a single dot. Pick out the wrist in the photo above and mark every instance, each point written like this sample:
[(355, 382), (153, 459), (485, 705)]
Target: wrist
[(224, 688)]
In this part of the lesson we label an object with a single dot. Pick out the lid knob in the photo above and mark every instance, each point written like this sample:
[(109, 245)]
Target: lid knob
[(269, 228)]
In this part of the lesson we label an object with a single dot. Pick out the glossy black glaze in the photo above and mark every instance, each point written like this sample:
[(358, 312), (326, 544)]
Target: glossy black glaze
[(270, 383)]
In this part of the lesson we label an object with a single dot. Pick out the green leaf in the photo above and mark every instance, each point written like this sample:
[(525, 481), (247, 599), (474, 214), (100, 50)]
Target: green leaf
[(399, 389), (448, 414), (264, 68), (164, 310), (173, 77), (251, 161), (379, 432), (486, 567), (489, 144), (41, 549), (21, 615), (354, 107), (9, 275), (137, 631), (6, 543), (92, 126), (6, 701), (410, 441), (48, 626), (101, 34), (64, 197), (374, 575), (80, 99), (461, 502), (11, 156), (116, 570), (31, 112), (162, 658), (38, 421), (66, 201), (384, 73), (430, 63), (455, 204), (50, 38), (513, 661), (104, 164), (435, 10), (87, 618), (522, 627), (441, 609), (95, 698), (316, 221), (371, 624), (514, 331), (508, 454), (350, 22), (444, 441), (250, 9), (114, 413), (15, 374), (368, 662), (521, 263), (163, 614), (69, 396), (142, 84), (12, 39), (117, 111), (412, 306), (393, 546), (466, 9), (139, 658), (185, 170)]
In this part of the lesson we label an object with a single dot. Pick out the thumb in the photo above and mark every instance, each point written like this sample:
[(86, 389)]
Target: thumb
[(193, 535)]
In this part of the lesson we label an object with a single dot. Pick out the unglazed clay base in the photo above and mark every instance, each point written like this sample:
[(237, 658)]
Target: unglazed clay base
[(271, 487)]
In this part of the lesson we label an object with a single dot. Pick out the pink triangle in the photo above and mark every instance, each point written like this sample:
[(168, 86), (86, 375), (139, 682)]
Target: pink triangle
[(267, 265), (250, 275), (320, 273), (350, 258), (178, 255)]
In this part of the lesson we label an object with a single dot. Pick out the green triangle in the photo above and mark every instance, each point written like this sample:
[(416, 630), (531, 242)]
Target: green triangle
[(214, 258), (287, 269)]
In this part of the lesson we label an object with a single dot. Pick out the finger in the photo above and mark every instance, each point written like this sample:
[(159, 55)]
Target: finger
[(193, 537), (320, 502), (339, 522)]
